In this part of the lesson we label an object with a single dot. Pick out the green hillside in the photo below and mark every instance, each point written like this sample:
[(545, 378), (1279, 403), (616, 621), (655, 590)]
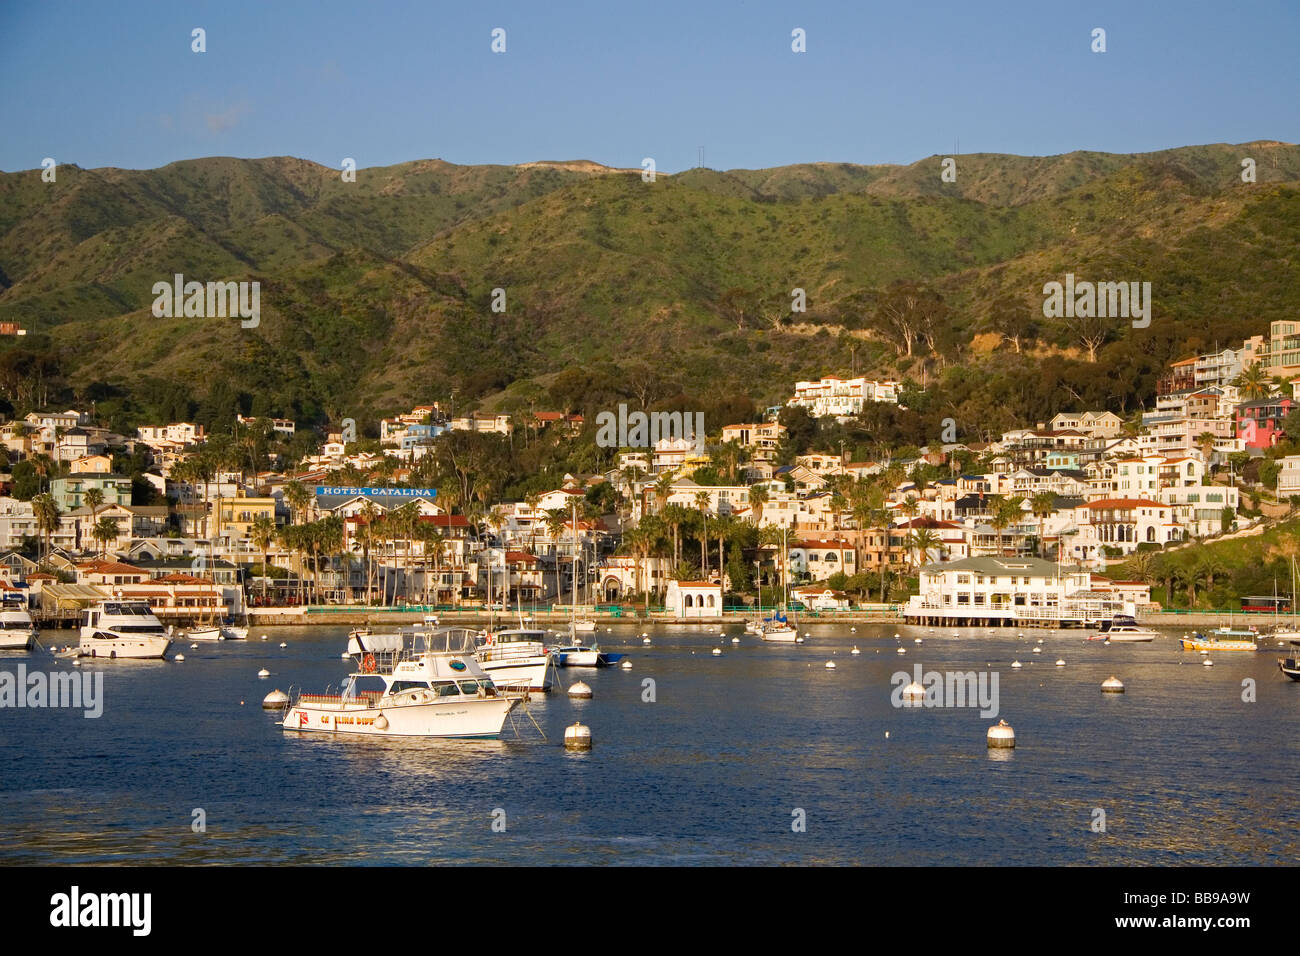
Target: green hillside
[(377, 294)]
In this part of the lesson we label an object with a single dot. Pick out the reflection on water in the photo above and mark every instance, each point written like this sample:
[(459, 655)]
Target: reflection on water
[(710, 773)]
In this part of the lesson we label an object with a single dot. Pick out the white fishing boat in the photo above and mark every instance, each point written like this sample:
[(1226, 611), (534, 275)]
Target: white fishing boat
[(516, 659), (205, 633), (122, 629), (418, 682), (17, 629)]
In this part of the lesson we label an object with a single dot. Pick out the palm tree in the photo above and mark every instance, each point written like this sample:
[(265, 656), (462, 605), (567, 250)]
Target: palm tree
[(1043, 505), (1006, 513), (1205, 441), (94, 500), (369, 514), (921, 542), (1254, 382), (296, 497), (675, 516), (758, 497), (105, 530), (262, 532), (555, 520), (405, 520), (47, 514), (702, 502)]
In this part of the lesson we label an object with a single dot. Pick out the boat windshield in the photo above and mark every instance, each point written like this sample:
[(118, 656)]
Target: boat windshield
[(14, 625)]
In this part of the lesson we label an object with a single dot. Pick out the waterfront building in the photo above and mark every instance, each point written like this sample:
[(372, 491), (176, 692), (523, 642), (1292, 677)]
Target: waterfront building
[(694, 600), (998, 591)]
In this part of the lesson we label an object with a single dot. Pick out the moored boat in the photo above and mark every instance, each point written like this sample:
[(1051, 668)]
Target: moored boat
[(206, 633), (1124, 628), (418, 682), (1220, 639), (122, 629), (17, 629), (1290, 666), (516, 658)]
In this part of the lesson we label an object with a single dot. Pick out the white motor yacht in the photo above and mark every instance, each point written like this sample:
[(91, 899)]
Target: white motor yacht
[(516, 658), (122, 629), (418, 682), (1124, 628), (17, 629)]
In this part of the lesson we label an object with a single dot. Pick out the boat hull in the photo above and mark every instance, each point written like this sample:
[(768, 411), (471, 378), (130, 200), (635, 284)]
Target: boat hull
[(1290, 667), (1135, 637), (579, 657), (584, 627), (519, 673), (17, 640), (205, 634), (469, 717), (125, 648), (1191, 644), (780, 635)]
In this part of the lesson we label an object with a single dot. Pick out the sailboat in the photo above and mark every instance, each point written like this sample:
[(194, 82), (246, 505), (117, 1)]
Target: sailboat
[(1288, 632), (576, 654), (777, 629)]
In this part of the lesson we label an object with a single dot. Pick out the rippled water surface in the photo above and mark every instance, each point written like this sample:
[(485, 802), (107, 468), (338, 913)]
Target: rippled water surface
[(711, 772)]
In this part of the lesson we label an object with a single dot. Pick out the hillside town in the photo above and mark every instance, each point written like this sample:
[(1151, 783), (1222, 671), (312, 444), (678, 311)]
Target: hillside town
[(204, 525)]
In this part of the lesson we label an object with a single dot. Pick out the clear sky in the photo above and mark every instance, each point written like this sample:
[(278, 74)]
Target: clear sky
[(115, 83)]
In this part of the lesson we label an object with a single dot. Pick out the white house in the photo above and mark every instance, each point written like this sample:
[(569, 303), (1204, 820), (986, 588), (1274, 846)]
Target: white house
[(694, 600)]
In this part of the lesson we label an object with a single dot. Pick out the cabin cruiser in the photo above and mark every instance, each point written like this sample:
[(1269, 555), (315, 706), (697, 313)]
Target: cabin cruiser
[(1124, 628), (418, 682), (17, 629), (516, 658), (122, 629)]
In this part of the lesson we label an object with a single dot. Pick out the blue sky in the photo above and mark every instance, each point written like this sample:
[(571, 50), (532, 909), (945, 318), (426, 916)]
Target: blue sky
[(116, 84)]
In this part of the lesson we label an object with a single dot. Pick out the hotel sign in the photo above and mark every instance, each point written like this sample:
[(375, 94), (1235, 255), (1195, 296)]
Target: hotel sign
[(323, 490)]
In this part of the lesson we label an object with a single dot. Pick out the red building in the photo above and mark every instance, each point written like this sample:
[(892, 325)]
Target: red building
[(1259, 423)]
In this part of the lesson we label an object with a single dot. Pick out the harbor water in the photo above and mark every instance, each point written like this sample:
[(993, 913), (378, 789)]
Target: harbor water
[(759, 755)]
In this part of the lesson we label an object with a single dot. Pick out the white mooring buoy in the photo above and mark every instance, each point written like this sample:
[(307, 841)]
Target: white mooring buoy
[(916, 640), (1016, 665), (855, 652), (178, 657), (717, 652), (580, 690), (830, 665), (275, 700), (1112, 685), (577, 737), (645, 640), (263, 637), (902, 650), (264, 673), (626, 665), (1060, 663), (1038, 650), (913, 693), (1001, 736), (1207, 663), (735, 640)]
